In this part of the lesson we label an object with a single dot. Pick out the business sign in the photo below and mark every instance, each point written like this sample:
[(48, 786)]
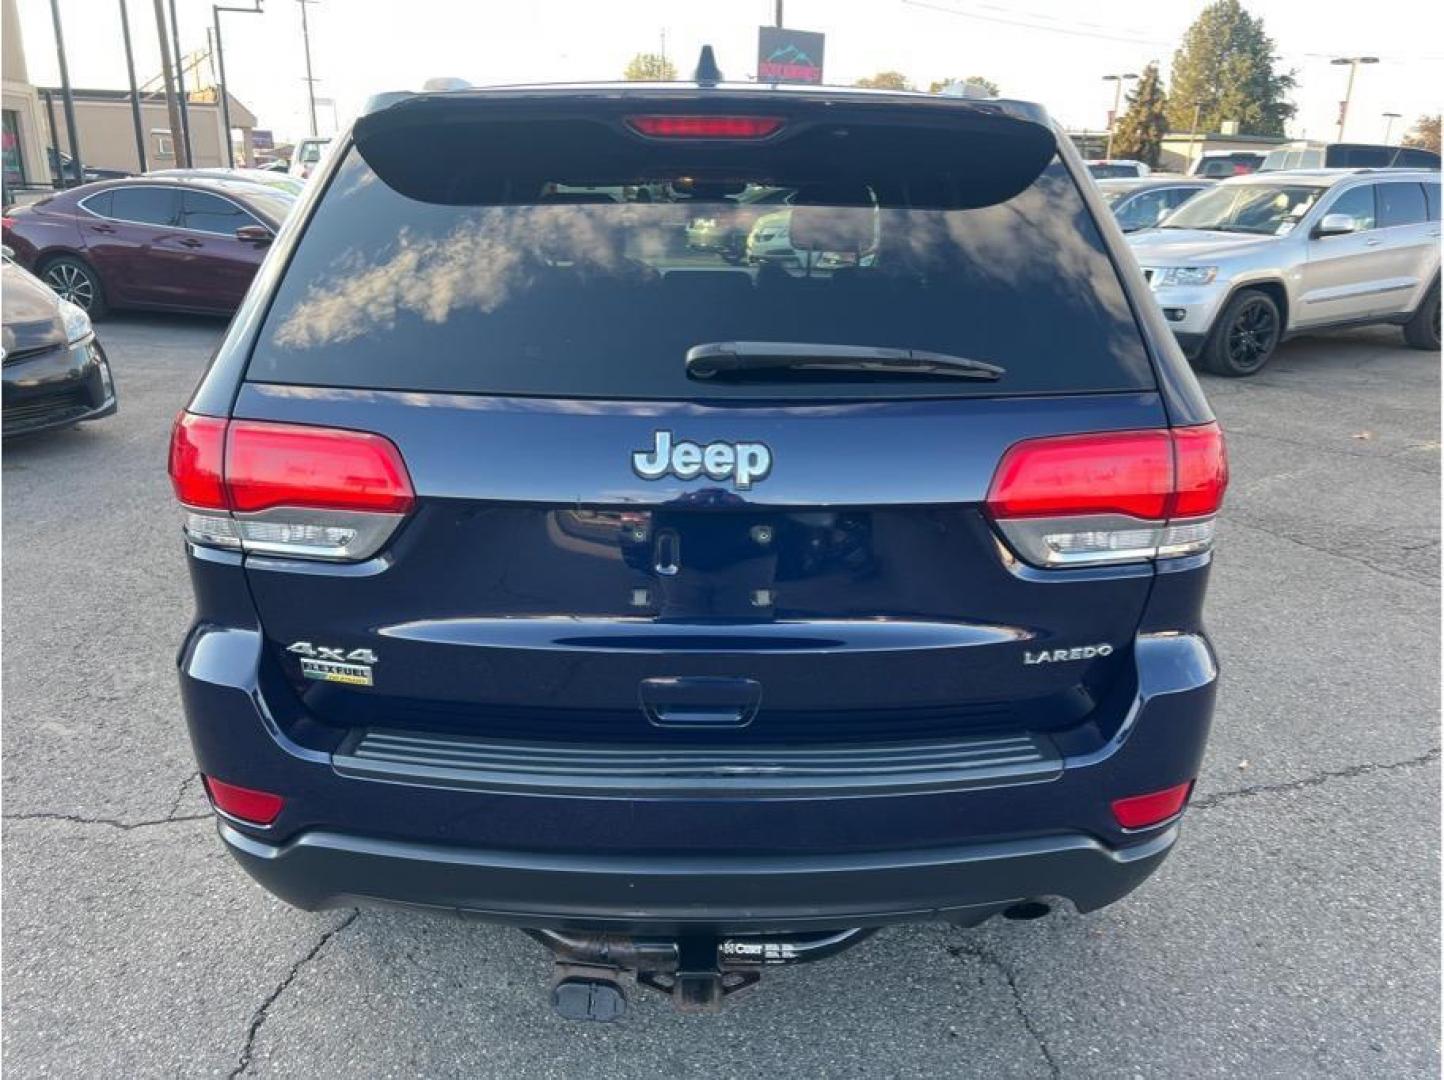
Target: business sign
[(788, 56), (263, 139)]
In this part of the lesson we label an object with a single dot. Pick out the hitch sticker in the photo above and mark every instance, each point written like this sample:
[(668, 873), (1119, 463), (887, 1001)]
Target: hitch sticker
[(326, 664)]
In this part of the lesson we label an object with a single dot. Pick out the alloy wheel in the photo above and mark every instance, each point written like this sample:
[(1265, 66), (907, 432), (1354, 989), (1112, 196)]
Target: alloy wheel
[(1253, 335), (71, 283)]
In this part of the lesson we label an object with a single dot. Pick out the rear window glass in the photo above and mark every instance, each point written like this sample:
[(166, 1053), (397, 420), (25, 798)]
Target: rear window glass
[(576, 289), (1401, 204), (146, 205)]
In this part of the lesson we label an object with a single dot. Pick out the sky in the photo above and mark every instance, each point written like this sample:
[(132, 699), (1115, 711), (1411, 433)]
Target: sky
[(1051, 51)]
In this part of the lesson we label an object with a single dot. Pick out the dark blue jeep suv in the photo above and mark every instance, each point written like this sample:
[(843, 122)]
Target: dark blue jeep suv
[(695, 612)]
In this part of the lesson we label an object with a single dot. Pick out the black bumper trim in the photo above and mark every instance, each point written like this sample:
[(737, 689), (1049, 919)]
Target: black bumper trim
[(320, 869), (727, 772)]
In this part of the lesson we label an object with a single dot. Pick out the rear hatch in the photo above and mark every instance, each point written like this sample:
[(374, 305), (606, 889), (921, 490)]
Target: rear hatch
[(606, 544)]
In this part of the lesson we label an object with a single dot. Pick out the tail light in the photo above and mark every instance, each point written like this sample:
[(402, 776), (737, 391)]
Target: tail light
[(704, 127), (287, 489), (1112, 497), (1142, 811), (6, 222), (245, 804)]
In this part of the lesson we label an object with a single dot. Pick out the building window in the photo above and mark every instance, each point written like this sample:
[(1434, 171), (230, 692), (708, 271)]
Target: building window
[(10, 144)]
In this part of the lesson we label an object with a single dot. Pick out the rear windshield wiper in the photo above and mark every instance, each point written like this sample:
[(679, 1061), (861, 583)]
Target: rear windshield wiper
[(741, 358)]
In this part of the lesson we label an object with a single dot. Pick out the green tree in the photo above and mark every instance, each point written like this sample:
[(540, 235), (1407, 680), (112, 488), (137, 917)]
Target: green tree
[(650, 67), (1425, 133), (939, 85), (1225, 66), (886, 80), (1140, 130)]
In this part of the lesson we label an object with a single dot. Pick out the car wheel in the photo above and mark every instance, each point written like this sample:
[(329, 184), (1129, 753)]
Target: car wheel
[(1245, 336), (1422, 330), (74, 280)]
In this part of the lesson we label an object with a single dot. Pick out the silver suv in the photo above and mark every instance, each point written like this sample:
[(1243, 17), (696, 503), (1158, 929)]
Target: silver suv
[(1260, 258)]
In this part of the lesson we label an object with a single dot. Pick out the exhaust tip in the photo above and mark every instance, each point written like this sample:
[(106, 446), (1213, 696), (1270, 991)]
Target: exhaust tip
[(1027, 911)]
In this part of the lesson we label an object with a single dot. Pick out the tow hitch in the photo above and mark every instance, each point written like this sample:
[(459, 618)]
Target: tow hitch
[(699, 972)]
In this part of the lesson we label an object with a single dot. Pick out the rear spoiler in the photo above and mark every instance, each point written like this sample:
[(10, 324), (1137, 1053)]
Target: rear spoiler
[(462, 146)]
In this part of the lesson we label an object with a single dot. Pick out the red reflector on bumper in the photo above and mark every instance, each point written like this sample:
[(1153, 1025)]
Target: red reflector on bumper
[(246, 804), (1141, 811)]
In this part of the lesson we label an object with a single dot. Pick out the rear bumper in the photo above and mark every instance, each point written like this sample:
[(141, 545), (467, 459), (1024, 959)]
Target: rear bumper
[(656, 894), (500, 836)]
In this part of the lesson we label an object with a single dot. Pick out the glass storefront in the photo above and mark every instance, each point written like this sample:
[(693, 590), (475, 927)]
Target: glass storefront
[(10, 144)]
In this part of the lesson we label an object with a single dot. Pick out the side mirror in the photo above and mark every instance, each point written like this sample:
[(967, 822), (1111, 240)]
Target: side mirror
[(255, 234), (1337, 225)]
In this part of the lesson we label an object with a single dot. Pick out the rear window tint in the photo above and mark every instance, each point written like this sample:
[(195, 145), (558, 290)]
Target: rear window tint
[(1401, 204), (595, 290)]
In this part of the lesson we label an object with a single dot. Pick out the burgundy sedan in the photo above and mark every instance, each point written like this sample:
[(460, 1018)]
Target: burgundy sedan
[(169, 244)]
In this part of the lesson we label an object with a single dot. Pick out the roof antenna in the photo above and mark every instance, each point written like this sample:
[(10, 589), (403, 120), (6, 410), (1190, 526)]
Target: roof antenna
[(707, 73)]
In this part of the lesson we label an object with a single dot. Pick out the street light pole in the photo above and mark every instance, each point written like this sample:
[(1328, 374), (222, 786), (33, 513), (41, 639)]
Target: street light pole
[(134, 95), (67, 99), (310, 82), (1390, 117), (180, 88), (216, 10), (1353, 63), (1118, 81)]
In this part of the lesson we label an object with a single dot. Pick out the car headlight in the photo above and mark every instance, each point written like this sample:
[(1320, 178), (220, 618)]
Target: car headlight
[(1186, 275), (77, 322)]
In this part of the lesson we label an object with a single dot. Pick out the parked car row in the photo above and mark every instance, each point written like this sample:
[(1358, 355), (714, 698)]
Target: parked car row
[(167, 242), (55, 371), (1256, 259)]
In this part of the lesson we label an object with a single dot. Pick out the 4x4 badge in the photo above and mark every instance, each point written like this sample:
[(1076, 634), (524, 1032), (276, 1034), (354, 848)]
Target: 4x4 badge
[(327, 664), (744, 462)]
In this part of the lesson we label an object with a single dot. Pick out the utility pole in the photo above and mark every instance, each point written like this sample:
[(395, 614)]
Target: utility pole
[(220, 57), (67, 98), (134, 94), (170, 102), (778, 19), (310, 82), (180, 87), (1389, 117), (1118, 81), (1353, 63)]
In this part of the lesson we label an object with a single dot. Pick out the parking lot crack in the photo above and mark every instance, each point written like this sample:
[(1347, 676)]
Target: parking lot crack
[(258, 1018), (111, 823), (1413, 579), (1284, 786), (987, 956), (179, 795)]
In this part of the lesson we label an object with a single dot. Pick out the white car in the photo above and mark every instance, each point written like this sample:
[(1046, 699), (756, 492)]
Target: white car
[(1116, 168), (307, 156), (1258, 258)]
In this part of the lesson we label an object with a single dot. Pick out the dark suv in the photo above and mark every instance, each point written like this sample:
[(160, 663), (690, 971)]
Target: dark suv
[(693, 616)]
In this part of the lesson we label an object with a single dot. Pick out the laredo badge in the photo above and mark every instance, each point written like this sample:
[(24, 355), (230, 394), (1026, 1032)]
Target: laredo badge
[(326, 664)]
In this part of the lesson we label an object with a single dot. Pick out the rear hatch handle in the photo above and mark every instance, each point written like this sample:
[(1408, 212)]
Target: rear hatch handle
[(700, 701)]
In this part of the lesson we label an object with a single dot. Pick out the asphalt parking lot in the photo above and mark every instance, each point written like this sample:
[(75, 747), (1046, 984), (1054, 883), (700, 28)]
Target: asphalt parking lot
[(1294, 932)]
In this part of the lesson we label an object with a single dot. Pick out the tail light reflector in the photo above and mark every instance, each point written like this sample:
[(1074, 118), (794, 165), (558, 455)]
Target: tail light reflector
[(288, 489), (1141, 811), (1112, 497), (705, 127), (245, 804)]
